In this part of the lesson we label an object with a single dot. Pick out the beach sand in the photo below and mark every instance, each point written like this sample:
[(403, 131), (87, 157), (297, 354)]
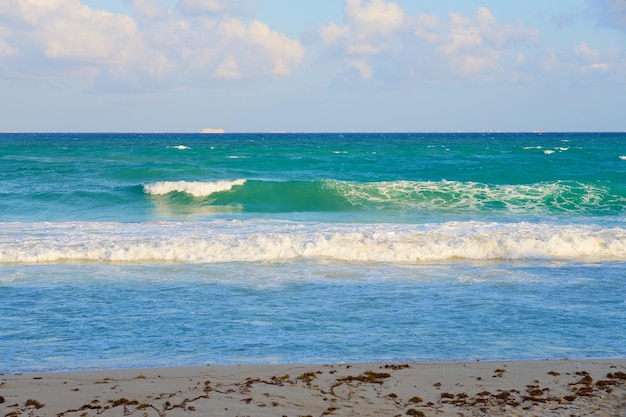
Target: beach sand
[(520, 388)]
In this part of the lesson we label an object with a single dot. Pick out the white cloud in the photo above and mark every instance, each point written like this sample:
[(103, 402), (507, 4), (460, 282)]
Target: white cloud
[(165, 44), (259, 48), (462, 35), (375, 18), (69, 32), (333, 33), (211, 6), (584, 63), (587, 53), (472, 45), (367, 26), (363, 49), (198, 59), (5, 48), (424, 23), (229, 69), (380, 34), (477, 64), (592, 59), (552, 62), (600, 66), (150, 9), (84, 33), (365, 71), (484, 17), (370, 29)]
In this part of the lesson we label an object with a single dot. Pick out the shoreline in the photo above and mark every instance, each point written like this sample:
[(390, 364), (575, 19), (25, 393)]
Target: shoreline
[(508, 388)]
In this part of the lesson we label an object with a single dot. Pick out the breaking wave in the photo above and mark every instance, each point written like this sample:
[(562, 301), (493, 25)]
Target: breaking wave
[(275, 241), (194, 188), (424, 196)]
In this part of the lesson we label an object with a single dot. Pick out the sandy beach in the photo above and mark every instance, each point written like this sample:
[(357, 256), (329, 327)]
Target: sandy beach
[(520, 388)]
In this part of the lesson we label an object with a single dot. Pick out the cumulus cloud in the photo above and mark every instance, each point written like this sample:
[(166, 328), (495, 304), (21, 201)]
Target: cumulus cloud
[(379, 34), (591, 59), (259, 48), (78, 38), (373, 19), (206, 6), (611, 63), (84, 33), (5, 48), (333, 33), (160, 44), (473, 45), (229, 68), (150, 9), (587, 53), (552, 61), (365, 71), (583, 63), (370, 29), (367, 26)]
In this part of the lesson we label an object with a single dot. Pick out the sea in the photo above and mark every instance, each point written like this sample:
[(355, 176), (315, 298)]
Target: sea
[(151, 250)]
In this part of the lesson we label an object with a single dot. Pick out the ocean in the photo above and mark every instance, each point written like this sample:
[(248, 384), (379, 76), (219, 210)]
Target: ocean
[(145, 250)]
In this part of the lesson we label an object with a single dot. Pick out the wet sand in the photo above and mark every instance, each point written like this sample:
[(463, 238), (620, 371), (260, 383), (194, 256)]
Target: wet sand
[(517, 388)]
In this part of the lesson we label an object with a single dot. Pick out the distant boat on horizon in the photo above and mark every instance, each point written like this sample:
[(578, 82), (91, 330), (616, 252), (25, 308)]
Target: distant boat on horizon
[(212, 131)]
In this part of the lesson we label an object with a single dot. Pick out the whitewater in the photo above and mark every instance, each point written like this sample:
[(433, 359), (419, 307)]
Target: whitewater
[(120, 250)]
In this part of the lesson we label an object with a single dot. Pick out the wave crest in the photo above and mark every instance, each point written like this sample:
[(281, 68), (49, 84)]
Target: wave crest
[(194, 188), (423, 197)]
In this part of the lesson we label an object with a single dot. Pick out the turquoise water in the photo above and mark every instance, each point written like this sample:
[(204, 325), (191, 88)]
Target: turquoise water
[(124, 250)]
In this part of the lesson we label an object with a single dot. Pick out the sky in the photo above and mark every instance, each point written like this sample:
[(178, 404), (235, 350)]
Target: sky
[(312, 66)]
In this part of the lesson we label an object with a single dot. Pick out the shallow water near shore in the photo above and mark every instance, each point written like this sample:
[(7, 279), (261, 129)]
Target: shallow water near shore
[(121, 251), (65, 317)]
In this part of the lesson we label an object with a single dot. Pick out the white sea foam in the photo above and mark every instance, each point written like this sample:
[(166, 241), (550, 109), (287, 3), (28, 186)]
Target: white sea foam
[(623, 157), (181, 147), (457, 195), (194, 188), (271, 241)]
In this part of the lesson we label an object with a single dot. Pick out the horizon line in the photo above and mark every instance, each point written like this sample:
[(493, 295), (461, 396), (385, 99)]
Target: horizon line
[(331, 132)]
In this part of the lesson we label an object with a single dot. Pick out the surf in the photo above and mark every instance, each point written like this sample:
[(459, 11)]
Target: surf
[(263, 240), (403, 196), (194, 188)]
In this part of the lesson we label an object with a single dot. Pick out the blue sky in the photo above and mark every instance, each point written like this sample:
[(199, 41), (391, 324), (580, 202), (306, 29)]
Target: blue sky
[(328, 65)]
